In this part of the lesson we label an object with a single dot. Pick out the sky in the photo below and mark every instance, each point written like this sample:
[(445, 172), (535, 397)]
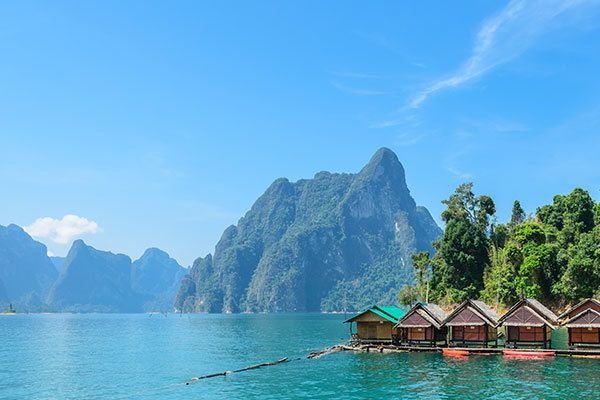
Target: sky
[(157, 124)]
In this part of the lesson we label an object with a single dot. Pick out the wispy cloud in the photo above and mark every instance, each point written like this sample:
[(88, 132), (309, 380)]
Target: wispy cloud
[(451, 163), (503, 37), (356, 91), (494, 125), (406, 121), (384, 42), (61, 231), (408, 139), (458, 173)]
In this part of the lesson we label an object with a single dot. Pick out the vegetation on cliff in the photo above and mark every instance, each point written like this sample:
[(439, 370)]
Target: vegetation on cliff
[(552, 255), (334, 242)]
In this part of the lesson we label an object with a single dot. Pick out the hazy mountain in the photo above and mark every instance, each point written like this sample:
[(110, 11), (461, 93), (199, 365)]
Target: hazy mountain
[(26, 272), (100, 281), (58, 263), (328, 243), (3, 296), (86, 280), (94, 280), (156, 277)]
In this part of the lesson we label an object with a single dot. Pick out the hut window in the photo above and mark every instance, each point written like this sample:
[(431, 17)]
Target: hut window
[(528, 328), (590, 328), (472, 327)]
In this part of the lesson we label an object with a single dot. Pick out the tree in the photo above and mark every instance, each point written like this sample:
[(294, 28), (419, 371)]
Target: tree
[(554, 257), (499, 235), (582, 275), (499, 279), (464, 247), (529, 232), (485, 209), (518, 214), (421, 264), (408, 296), (573, 213), (463, 205)]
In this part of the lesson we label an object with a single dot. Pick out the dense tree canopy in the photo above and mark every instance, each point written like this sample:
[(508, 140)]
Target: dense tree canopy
[(553, 255)]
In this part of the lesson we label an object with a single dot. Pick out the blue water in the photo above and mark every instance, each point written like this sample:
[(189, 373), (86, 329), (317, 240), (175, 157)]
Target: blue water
[(95, 356)]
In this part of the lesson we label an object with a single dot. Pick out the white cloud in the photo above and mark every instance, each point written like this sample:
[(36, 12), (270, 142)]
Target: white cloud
[(50, 254), (61, 231), (504, 37)]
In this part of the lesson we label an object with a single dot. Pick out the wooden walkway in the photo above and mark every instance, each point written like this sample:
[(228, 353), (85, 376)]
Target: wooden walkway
[(389, 348)]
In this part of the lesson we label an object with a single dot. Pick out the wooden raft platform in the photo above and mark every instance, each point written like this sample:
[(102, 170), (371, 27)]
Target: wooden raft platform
[(389, 348)]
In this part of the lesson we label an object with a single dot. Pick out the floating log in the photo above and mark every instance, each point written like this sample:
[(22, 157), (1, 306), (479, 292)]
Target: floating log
[(329, 350), (256, 366)]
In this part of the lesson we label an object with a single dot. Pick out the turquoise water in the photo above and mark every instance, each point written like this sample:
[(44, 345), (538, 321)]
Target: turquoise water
[(96, 356)]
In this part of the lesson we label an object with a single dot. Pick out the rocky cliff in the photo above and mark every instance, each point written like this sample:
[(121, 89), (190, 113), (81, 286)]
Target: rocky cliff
[(337, 241)]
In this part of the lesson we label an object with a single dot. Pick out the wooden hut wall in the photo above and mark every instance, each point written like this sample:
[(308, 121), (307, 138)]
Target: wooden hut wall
[(372, 326), (584, 335), (424, 334), (475, 333), (528, 333), (584, 328)]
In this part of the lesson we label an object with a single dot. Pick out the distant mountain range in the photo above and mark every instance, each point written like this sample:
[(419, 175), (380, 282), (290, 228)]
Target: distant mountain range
[(87, 280), (334, 242), (26, 272)]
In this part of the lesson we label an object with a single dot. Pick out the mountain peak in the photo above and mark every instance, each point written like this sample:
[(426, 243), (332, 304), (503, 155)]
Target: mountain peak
[(385, 169), (385, 152), (14, 227), (385, 158), (78, 243), (155, 252)]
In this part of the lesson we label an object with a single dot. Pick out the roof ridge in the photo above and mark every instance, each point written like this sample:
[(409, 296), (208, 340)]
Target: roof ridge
[(582, 302), (547, 315), (581, 314)]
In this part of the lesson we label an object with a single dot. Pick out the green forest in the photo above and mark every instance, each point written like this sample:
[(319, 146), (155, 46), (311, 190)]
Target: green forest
[(552, 255)]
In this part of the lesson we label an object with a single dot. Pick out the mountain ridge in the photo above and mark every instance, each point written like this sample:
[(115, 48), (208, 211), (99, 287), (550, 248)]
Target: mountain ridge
[(87, 280), (303, 245)]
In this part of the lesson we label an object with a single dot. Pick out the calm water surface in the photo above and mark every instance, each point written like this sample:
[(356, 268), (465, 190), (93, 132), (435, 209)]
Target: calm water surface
[(95, 356)]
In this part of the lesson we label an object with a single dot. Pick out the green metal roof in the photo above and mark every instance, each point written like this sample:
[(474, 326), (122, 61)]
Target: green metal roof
[(394, 311), (390, 313)]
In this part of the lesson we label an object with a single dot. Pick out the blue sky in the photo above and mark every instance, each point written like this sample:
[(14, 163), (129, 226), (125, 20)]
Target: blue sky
[(159, 123)]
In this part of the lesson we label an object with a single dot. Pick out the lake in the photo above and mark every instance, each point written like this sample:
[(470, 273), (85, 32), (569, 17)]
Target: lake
[(104, 356)]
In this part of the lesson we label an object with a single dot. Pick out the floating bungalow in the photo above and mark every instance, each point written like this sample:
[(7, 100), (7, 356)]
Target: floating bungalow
[(375, 325), (528, 324), (473, 323), (423, 325), (583, 323)]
